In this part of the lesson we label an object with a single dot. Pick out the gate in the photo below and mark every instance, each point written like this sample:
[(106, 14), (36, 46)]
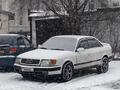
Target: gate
[(48, 28)]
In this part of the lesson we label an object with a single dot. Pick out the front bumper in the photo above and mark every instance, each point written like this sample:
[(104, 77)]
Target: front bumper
[(36, 70)]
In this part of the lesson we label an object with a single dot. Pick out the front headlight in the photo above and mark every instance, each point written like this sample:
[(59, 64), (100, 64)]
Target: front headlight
[(18, 60), (48, 62)]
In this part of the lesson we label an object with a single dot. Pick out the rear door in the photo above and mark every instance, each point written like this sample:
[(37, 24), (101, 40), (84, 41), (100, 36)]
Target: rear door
[(95, 47)]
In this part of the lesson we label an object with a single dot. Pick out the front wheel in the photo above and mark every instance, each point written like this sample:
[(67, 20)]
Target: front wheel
[(67, 72), (104, 67)]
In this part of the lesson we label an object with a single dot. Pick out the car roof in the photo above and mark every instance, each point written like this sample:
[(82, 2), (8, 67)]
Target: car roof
[(75, 36), (11, 35)]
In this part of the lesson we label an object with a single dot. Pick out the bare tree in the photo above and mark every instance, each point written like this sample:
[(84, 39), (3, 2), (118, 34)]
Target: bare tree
[(72, 12), (114, 34)]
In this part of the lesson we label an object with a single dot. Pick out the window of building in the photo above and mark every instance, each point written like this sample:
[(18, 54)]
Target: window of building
[(21, 20), (0, 6), (21, 16), (115, 4), (91, 5), (103, 3)]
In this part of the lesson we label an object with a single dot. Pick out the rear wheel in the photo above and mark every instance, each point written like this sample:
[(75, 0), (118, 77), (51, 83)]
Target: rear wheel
[(104, 67), (67, 72)]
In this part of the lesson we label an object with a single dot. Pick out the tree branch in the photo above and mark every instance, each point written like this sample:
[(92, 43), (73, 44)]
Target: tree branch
[(51, 8)]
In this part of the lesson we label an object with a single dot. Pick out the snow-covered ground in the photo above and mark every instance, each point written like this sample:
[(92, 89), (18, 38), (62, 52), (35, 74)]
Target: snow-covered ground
[(93, 81)]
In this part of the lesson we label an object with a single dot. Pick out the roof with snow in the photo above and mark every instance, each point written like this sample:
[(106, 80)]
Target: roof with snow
[(40, 13), (11, 35)]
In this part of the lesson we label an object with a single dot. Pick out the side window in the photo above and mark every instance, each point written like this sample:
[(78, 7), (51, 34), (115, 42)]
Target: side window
[(27, 43), (94, 43), (83, 44), (20, 41)]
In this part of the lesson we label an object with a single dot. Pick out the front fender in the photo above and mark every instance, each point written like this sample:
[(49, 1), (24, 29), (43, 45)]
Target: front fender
[(72, 60)]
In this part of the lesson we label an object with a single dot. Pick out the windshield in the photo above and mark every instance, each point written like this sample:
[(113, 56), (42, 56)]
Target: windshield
[(60, 43), (7, 40)]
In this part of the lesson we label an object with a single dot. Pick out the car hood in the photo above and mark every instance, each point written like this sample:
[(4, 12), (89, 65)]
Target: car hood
[(45, 54)]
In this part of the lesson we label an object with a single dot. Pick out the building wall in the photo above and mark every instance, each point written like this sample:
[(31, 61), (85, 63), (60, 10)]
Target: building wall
[(95, 4), (4, 28), (114, 3), (20, 22), (5, 5)]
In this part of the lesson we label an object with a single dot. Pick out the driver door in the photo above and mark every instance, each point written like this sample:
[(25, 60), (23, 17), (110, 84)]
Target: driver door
[(83, 56)]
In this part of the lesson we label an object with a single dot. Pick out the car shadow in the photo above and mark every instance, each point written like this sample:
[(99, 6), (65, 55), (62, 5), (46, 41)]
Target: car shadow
[(84, 72), (6, 71), (56, 79)]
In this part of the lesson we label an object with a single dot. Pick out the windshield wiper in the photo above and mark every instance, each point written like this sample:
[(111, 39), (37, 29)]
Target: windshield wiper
[(57, 49)]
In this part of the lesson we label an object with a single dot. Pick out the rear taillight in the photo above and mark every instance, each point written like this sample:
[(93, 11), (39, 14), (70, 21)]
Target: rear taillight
[(13, 50)]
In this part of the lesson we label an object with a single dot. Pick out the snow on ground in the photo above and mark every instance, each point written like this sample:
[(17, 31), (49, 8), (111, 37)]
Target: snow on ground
[(93, 81)]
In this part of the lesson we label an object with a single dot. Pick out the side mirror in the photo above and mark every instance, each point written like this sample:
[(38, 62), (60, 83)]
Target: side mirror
[(80, 49)]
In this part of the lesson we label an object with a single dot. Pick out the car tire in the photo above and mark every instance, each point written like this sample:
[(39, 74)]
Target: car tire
[(67, 72), (103, 68)]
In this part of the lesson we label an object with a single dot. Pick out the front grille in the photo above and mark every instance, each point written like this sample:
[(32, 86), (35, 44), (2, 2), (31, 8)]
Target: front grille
[(30, 61)]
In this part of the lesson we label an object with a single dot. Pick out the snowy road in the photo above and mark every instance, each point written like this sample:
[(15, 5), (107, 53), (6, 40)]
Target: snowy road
[(93, 81)]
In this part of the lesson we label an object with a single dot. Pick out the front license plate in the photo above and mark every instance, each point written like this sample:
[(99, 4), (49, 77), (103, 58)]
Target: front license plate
[(27, 69)]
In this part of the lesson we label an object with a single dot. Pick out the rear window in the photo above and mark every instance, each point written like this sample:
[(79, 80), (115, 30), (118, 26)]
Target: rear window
[(7, 40)]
